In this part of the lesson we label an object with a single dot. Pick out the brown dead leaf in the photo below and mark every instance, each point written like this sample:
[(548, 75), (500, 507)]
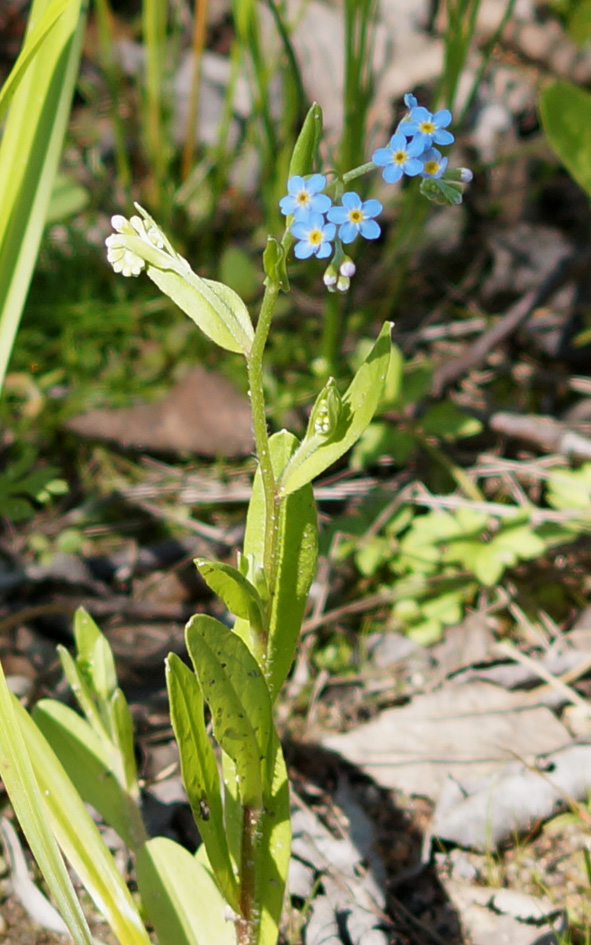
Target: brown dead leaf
[(203, 414)]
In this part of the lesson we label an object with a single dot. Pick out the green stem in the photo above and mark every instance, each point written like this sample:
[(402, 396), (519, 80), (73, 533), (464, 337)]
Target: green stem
[(261, 434), (250, 912)]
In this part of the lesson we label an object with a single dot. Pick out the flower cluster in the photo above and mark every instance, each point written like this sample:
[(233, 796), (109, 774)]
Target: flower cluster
[(411, 150), (316, 223)]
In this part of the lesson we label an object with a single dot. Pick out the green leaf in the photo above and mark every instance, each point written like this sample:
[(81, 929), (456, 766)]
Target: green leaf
[(448, 422), (316, 454), (306, 146), (274, 264), (180, 896), (34, 40), (79, 838), (30, 149), (67, 198), (275, 844), (95, 660), (566, 119), (236, 591), (297, 549), (235, 689), (86, 759), (216, 309), (200, 771), (17, 773)]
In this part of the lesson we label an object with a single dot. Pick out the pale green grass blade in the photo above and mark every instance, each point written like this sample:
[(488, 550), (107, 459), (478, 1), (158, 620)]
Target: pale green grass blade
[(26, 798), (29, 154), (79, 838), (32, 44)]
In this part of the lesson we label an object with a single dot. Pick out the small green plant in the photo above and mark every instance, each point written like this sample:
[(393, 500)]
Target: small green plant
[(232, 890)]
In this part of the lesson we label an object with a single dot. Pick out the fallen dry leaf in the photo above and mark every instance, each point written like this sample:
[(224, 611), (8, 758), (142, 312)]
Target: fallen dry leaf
[(203, 414)]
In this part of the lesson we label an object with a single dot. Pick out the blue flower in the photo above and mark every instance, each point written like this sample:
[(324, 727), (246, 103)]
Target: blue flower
[(410, 101), (355, 216), (433, 163), (314, 236), (429, 129), (400, 157), (304, 196)]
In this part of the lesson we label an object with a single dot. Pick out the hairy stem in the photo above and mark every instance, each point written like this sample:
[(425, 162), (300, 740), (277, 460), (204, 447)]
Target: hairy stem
[(250, 907), (261, 434)]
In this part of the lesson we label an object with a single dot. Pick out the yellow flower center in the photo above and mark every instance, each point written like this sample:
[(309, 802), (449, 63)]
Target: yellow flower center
[(399, 157), (315, 237), (431, 167), (303, 197), (356, 216), (427, 127)]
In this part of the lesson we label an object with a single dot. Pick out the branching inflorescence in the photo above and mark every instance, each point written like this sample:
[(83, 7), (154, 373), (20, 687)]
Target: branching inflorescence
[(316, 223)]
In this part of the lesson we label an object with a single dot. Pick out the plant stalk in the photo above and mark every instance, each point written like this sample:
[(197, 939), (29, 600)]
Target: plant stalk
[(261, 433)]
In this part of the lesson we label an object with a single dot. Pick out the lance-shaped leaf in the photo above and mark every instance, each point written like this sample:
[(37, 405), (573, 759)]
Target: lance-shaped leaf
[(30, 149), (200, 771), (16, 771), (235, 689), (180, 896), (238, 594), (320, 450), (297, 548), (88, 762), (79, 838)]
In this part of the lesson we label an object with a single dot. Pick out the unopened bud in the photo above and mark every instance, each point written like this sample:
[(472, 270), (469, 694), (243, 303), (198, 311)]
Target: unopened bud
[(330, 275), (343, 283), (347, 268)]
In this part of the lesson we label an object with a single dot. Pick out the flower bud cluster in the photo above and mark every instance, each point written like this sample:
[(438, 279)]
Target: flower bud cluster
[(316, 223)]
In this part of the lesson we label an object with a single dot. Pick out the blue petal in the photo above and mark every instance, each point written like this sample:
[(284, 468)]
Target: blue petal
[(413, 167), (287, 205), (393, 173), (351, 200), (383, 156), (303, 250), (371, 208), (420, 114), (315, 221), (324, 250), (418, 144), (337, 215), (370, 229), (320, 203), (328, 231), (301, 215), (295, 184), (442, 118), (300, 229), (397, 142), (443, 137), (348, 232), (315, 183)]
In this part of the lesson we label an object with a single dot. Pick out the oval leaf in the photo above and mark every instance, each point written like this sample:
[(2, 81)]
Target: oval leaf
[(200, 771), (233, 685), (180, 896), (566, 117)]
